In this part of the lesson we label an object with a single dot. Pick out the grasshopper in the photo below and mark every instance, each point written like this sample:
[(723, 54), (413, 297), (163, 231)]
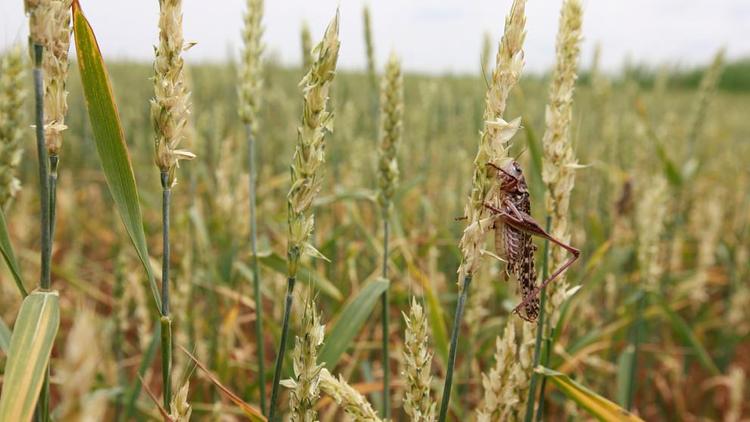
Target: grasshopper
[(514, 226)]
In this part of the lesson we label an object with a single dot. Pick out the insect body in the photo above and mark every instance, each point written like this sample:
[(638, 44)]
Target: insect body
[(514, 228)]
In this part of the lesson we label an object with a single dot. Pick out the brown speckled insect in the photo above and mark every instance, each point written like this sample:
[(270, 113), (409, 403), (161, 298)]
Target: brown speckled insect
[(514, 227)]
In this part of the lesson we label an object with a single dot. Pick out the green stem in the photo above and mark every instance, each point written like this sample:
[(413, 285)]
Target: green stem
[(53, 161), (636, 342), (166, 359), (454, 343), (44, 191), (545, 362), (44, 196), (166, 322), (282, 348), (118, 293), (539, 334), (385, 319), (253, 171)]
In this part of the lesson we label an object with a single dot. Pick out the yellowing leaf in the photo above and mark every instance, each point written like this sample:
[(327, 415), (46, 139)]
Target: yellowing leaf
[(28, 355), (110, 138), (593, 403)]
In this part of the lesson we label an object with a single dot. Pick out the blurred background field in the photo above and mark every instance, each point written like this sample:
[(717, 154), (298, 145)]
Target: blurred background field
[(631, 129)]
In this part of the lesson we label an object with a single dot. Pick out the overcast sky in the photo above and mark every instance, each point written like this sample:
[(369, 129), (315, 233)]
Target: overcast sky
[(434, 36)]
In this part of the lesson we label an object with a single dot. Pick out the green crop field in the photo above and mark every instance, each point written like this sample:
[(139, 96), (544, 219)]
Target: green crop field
[(331, 252)]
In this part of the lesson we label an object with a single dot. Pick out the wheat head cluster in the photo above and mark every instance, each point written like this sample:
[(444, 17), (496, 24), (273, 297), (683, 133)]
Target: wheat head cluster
[(324, 239)]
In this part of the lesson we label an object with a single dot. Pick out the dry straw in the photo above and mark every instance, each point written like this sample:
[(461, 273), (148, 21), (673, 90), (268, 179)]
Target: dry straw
[(12, 123), (417, 364), (558, 172)]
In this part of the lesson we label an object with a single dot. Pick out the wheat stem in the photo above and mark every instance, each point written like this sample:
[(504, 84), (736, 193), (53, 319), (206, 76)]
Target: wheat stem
[(454, 344), (385, 321), (282, 348), (539, 334), (256, 270), (166, 332)]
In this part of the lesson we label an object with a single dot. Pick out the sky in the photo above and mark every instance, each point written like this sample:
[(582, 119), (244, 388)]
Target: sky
[(430, 36)]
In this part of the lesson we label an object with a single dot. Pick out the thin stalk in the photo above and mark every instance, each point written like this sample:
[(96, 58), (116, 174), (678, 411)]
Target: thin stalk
[(539, 333), (385, 319), (44, 191), (118, 292), (545, 362), (636, 342), (454, 343), (54, 159), (42, 413), (166, 322), (253, 177), (282, 348)]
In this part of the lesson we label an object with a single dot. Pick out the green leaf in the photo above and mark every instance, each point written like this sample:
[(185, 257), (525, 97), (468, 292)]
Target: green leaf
[(593, 403), (10, 258), (670, 169), (624, 368), (28, 355), (110, 138), (4, 337), (350, 321), (688, 337), (304, 274)]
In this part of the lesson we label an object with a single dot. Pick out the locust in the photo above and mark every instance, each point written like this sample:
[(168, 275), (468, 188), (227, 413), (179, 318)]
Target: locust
[(514, 227)]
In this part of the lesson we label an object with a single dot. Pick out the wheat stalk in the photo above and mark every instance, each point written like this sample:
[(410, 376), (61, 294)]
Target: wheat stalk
[(493, 147), (170, 108), (558, 172), (251, 83), (391, 121), (309, 156)]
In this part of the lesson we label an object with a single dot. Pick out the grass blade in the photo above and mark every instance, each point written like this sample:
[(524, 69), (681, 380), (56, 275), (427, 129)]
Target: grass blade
[(625, 364), (688, 337), (28, 355), (10, 258), (351, 319), (593, 403), (110, 138), (4, 337)]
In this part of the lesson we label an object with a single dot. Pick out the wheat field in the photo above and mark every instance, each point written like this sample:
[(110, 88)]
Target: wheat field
[(325, 225)]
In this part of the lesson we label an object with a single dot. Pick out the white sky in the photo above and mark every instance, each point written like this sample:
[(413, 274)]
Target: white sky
[(429, 35)]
